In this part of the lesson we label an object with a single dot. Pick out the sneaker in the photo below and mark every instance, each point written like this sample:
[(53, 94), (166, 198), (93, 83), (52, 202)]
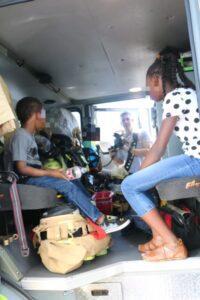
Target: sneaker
[(113, 224)]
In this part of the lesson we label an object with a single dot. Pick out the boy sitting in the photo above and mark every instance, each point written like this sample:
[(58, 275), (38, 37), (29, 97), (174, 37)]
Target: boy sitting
[(21, 155)]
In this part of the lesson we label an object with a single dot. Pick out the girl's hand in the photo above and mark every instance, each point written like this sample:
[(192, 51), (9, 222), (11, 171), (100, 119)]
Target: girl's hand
[(159, 147)]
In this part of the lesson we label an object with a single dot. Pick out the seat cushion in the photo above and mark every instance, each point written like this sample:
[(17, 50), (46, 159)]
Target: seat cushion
[(175, 188), (31, 197)]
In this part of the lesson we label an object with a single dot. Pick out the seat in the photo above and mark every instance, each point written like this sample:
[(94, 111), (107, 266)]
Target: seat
[(174, 189), (31, 197)]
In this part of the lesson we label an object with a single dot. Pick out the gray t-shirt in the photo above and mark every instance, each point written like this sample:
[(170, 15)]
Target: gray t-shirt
[(143, 139), (21, 147)]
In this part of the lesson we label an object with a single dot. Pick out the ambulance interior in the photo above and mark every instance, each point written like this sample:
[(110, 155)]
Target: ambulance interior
[(90, 58)]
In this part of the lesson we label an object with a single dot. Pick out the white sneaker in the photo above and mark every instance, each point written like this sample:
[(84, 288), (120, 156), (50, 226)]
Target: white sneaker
[(76, 212), (113, 224)]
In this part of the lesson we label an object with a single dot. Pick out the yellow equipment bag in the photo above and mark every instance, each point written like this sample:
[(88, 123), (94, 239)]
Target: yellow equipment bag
[(66, 241)]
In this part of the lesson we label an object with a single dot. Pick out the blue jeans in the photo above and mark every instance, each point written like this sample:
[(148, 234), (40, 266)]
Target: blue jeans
[(135, 187), (72, 190)]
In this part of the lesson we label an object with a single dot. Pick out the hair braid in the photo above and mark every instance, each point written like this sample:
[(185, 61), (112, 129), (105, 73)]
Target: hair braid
[(174, 78), (163, 75), (167, 66)]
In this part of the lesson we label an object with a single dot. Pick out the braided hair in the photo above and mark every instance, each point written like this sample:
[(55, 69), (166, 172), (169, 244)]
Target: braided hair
[(167, 66)]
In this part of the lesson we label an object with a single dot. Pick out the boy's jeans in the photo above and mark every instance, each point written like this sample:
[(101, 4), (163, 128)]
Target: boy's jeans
[(73, 190), (135, 187)]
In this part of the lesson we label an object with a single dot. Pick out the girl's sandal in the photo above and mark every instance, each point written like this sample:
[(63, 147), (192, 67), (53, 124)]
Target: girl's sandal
[(166, 252), (151, 245)]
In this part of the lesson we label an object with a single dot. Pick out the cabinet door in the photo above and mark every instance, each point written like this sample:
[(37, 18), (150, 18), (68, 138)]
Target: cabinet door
[(193, 18)]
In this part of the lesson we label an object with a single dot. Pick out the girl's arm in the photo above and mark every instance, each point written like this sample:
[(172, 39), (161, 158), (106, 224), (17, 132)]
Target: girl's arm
[(158, 148), (142, 151)]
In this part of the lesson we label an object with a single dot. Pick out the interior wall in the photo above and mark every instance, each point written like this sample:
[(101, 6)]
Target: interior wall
[(22, 83)]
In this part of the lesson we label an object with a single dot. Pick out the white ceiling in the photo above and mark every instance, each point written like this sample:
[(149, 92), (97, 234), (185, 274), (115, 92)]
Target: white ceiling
[(93, 48)]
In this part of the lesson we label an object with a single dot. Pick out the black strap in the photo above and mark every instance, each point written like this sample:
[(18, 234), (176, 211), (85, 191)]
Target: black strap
[(77, 233), (130, 157)]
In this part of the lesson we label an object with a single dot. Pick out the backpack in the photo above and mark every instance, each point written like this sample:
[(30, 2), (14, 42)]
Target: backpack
[(72, 155)]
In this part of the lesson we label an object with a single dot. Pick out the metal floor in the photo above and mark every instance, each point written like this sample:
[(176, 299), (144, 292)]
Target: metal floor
[(124, 248), (123, 264)]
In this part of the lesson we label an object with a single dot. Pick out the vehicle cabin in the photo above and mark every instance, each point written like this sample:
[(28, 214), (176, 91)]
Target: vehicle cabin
[(86, 62)]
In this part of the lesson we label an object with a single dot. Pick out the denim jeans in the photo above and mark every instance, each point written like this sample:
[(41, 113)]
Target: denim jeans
[(135, 187), (72, 190)]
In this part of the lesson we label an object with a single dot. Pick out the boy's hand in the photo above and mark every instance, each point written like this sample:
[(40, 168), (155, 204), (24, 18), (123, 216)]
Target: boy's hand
[(60, 173), (25, 170)]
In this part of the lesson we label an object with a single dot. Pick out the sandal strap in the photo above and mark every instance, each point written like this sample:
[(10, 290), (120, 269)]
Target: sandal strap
[(149, 246), (167, 252)]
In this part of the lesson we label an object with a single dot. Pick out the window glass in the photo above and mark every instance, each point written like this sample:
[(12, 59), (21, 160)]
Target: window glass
[(77, 115), (108, 117)]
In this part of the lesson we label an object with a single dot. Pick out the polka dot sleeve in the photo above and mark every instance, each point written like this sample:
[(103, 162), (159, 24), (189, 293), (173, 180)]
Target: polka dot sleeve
[(173, 105)]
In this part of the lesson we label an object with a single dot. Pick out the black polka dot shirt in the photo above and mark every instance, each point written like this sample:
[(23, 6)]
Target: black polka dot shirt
[(182, 103)]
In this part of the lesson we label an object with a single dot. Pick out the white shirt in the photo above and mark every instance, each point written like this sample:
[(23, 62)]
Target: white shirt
[(182, 102)]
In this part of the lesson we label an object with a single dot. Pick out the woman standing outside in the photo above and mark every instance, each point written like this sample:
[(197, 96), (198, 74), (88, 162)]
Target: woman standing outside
[(181, 116)]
